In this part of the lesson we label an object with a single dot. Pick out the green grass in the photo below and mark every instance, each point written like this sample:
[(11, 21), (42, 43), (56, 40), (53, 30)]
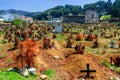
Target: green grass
[(2, 33), (2, 48), (15, 76), (32, 77), (115, 68), (9, 60), (60, 37), (4, 41), (3, 69), (50, 73), (11, 76)]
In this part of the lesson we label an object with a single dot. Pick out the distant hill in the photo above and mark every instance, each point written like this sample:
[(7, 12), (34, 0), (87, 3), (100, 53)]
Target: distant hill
[(59, 11), (20, 12), (101, 7)]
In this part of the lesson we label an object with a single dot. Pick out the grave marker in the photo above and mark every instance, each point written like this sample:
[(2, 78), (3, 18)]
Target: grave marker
[(58, 29), (88, 71)]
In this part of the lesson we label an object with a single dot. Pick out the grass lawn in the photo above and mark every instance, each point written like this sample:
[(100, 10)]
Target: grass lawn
[(15, 76)]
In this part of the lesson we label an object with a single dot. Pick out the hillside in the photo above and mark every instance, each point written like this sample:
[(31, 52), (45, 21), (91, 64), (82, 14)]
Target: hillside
[(20, 12), (102, 7)]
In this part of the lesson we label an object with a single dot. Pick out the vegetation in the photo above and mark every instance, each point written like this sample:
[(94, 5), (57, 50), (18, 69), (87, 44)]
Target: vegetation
[(4, 41), (100, 6), (2, 56), (115, 12), (17, 22), (59, 11), (50, 73), (113, 67), (11, 76), (2, 33), (14, 76), (60, 37), (9, 60), (106, 17)]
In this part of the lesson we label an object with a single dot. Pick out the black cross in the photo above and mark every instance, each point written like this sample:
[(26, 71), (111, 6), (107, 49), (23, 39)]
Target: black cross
[(88, 71)]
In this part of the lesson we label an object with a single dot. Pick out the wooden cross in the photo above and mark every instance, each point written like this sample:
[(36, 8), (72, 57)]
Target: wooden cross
[(88, 71)]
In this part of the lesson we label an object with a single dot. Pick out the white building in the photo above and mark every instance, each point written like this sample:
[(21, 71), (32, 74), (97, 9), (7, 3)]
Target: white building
[(1, 19)]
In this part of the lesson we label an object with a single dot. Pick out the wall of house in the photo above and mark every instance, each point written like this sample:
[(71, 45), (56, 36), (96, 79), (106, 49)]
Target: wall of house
[(76, 19), (91, 17)]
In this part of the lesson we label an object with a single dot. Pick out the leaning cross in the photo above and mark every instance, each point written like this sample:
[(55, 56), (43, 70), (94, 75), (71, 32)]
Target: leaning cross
[(88, 71)]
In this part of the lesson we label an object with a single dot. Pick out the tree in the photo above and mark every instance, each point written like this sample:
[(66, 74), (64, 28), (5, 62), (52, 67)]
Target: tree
[(116, 9), (59, 11)]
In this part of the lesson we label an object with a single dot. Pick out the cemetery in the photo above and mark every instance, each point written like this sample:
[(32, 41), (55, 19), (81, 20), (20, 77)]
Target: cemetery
[(64, 42), (61, 51)]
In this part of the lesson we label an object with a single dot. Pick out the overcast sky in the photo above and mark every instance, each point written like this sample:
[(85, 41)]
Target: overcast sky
[(40, 5)]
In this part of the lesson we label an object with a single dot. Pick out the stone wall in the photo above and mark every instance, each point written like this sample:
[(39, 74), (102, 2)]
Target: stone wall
[(91, 17), (76, 19)]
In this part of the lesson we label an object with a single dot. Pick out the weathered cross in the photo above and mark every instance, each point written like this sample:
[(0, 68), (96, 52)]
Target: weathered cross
[(88, 71)]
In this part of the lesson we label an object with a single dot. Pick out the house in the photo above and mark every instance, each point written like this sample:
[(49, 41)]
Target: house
[(1, 19), (88, 17), (74, 18), (27, 19), (91, 17)]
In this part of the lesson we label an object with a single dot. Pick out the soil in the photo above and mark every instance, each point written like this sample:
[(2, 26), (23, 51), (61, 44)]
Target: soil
[(68, 65)]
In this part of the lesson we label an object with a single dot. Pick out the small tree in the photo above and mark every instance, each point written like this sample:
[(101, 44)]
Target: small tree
[(28, 49)]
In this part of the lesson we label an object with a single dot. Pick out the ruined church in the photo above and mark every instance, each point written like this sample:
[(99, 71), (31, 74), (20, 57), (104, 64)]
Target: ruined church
[(89, 17)]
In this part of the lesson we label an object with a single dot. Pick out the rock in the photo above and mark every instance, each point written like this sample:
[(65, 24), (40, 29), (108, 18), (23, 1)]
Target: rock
[(10, 69), (112, 68), (56, 57), (32, 71), (114, 78), (24, 72), (43, 76), (116, 46), (13, 69)]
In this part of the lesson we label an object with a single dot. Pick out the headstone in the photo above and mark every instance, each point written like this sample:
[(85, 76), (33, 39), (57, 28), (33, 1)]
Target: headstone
[(88, 71), (32, 71), (24, 72), (56, 57), (114, 78), (43, 76), (111, 44), (58, 29), (12, 70)]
